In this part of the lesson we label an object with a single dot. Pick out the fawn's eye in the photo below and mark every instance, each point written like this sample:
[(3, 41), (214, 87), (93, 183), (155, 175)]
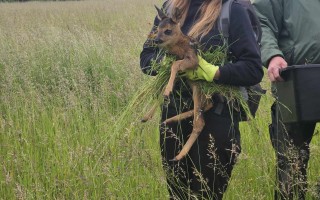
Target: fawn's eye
[(168, 32)]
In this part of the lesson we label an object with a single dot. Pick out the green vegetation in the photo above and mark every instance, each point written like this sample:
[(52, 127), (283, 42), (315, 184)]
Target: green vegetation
[(67, 71)]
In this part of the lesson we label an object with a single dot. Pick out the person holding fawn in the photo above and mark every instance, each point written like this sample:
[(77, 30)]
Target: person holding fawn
[(204, 173)]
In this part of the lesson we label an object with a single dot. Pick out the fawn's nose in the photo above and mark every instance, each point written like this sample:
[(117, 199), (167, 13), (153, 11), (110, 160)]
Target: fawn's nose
[(158, 41)]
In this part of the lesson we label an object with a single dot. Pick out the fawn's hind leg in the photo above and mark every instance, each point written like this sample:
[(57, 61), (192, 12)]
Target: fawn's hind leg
[(150, 113), (198, 121), (208, 105)]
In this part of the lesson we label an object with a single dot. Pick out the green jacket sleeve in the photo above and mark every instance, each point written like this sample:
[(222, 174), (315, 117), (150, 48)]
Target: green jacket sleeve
[(270, 13)]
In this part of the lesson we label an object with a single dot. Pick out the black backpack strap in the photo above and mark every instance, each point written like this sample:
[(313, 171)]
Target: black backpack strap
[(256, 26), (224, 20)]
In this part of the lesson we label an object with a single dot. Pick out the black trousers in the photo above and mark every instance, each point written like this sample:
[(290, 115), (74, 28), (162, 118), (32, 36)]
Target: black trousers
[(291, 143), (204, 173)]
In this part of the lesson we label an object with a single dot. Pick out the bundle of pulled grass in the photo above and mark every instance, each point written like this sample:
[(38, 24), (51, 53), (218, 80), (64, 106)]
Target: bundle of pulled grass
[(150, 94)]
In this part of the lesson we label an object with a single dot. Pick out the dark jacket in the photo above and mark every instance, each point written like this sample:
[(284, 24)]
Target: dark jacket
[(246, 66), (290, 29)]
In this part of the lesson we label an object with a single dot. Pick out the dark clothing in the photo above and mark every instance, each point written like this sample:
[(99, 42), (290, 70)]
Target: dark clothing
[(207, 168), (213, 155), (290, 29), (291, 142), (295, 37)]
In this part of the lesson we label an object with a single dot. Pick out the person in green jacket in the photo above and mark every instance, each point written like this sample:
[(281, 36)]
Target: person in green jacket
[(290, 36)]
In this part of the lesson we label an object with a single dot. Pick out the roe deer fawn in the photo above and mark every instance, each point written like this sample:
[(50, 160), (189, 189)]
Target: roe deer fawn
[(170, 37)]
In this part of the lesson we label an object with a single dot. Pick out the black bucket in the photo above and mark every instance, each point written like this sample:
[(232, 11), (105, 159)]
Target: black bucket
[(299, 94)]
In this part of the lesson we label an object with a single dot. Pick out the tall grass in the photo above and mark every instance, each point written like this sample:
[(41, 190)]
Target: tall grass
[(67, 71)]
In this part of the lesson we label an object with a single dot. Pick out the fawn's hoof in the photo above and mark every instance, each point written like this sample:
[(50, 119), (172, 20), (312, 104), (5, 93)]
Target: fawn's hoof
[(144, 120), (166, 100), (174, 160)]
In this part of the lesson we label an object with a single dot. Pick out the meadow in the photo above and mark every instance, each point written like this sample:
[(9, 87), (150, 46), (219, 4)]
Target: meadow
[(67, 72)]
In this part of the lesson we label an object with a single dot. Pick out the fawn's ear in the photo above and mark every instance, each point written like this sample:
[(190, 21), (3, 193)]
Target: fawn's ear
[(161, 14), (177, 14)]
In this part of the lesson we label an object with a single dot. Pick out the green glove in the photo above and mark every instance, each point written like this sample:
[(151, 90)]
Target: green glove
[(205, 71)]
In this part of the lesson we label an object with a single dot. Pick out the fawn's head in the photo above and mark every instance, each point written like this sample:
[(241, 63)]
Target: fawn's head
[(168, 32)]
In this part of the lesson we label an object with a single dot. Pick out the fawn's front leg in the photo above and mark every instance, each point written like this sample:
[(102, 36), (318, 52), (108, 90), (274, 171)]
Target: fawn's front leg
[(179, 65), (174, 70)]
